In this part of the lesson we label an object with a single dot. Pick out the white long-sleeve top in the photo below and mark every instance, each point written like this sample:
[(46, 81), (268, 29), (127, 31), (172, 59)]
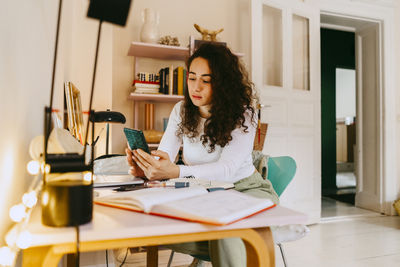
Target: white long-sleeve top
[(230, 163)]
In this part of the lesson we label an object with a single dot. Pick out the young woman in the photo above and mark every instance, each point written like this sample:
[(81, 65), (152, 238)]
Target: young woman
[(215, 124)]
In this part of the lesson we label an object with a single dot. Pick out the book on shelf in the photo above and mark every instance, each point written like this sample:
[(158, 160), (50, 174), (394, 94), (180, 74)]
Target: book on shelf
[(184, 81), (147, 77), (161, 74), (166, 81), (171, 80), (144, 90), (179, 80), (175, 82), (193, 203), (155, 85), (143, 87)]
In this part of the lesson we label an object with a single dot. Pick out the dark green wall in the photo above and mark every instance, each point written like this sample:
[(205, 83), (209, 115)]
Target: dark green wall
[(337, 51)]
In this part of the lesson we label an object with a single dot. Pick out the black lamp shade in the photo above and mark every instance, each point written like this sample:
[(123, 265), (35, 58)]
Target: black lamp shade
[(114, 11), (108, 116)]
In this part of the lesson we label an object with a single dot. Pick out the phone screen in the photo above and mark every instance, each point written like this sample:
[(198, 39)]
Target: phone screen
[(136, 140)]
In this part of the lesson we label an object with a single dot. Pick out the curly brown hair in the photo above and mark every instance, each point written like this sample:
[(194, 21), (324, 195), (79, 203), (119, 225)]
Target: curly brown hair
[(232, 96)]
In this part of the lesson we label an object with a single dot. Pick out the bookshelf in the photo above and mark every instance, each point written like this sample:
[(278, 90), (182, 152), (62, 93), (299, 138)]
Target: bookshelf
[(159, 52)]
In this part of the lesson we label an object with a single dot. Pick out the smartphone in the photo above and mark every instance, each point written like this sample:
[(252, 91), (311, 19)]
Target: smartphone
[(136, 140)]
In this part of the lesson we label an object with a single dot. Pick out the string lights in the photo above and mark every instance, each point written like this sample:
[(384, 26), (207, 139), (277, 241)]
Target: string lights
[(18, 237)]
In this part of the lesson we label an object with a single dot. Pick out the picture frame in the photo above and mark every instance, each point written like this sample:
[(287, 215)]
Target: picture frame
[(194, 43), (74, 111)]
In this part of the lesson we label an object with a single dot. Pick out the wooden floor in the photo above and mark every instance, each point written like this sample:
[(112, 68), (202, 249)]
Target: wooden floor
[(346, 236), (139, 259)]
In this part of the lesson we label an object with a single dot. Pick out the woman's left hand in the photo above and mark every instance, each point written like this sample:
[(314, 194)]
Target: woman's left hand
[(156, 169)]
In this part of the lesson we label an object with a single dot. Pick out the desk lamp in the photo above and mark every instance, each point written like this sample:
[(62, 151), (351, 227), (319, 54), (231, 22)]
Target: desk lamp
[(70, 202), (108, 117)]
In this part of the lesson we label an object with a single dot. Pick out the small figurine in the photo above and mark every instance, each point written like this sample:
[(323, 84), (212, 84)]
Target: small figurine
[(168, 40), (208, 35)]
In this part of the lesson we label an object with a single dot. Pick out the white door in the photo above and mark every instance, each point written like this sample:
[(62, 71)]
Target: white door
[(368, 122), (286, 73)]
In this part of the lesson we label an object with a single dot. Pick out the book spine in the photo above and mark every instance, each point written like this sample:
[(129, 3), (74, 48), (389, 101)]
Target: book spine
[(184, 81), (145, 85), (144, 82), (161, 74), (171, 80), (175, 83), (180, 81)]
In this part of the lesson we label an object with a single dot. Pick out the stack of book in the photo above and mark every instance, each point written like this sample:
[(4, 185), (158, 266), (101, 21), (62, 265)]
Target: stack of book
[(145, 87), (173, 80)]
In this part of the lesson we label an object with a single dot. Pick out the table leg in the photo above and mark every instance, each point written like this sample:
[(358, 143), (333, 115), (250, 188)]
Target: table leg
[(152, 256), (266, 235), (40, 257), (260, 248)]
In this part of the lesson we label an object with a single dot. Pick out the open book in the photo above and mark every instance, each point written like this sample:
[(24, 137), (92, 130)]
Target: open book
[(193, 203)]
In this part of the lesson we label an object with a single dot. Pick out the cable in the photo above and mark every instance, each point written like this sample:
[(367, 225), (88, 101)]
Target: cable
[(77, 246), (126, 255), (107, 257)]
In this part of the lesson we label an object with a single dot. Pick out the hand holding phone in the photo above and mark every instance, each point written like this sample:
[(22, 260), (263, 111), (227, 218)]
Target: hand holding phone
[(136, 140)]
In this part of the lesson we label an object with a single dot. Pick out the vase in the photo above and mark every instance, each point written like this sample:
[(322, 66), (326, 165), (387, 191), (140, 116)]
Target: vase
[(151, 135), (149, 32)]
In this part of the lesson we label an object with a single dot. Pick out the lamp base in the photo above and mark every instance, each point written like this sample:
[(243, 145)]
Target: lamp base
[(67, 203)]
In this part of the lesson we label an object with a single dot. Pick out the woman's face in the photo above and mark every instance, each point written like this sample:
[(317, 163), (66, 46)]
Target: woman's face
[(199, 83)]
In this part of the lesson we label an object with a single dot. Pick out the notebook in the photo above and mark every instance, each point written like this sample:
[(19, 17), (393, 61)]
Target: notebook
[(113, 180)]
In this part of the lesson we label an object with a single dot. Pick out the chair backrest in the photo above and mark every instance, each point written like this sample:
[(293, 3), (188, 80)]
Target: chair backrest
[(281, 171)]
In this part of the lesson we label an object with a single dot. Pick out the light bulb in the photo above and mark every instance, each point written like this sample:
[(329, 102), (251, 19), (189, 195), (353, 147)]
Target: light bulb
[(45, 168), (45, 198), (17, 212), (7, 256), (29, 199), (33, 167), (87, 176), (11, 237), (24, 240)]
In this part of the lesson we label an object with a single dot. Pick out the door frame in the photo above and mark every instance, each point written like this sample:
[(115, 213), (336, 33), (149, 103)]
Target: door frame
[(387, 113)]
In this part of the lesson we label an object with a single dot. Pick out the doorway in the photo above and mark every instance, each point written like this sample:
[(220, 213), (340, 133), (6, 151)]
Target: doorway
[(350, 134)]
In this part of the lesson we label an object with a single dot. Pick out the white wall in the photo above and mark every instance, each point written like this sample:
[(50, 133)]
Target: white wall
[(397, 96), (26, 47), (26, 51)]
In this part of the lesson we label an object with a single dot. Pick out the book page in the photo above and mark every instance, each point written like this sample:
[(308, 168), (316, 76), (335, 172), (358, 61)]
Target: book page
[(219, 207), (144, 199)]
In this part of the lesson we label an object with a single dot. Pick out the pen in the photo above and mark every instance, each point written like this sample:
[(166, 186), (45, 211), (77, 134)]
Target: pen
[(167, 184)]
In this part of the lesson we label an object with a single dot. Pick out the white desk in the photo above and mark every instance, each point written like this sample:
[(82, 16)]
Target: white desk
[(115, 228)]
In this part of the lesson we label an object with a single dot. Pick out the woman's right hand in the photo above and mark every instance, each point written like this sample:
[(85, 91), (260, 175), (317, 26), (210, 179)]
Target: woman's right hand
[(135, 170)]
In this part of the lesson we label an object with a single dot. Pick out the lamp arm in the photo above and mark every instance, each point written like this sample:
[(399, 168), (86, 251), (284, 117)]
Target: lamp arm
[(47, 118), (92, 90)]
